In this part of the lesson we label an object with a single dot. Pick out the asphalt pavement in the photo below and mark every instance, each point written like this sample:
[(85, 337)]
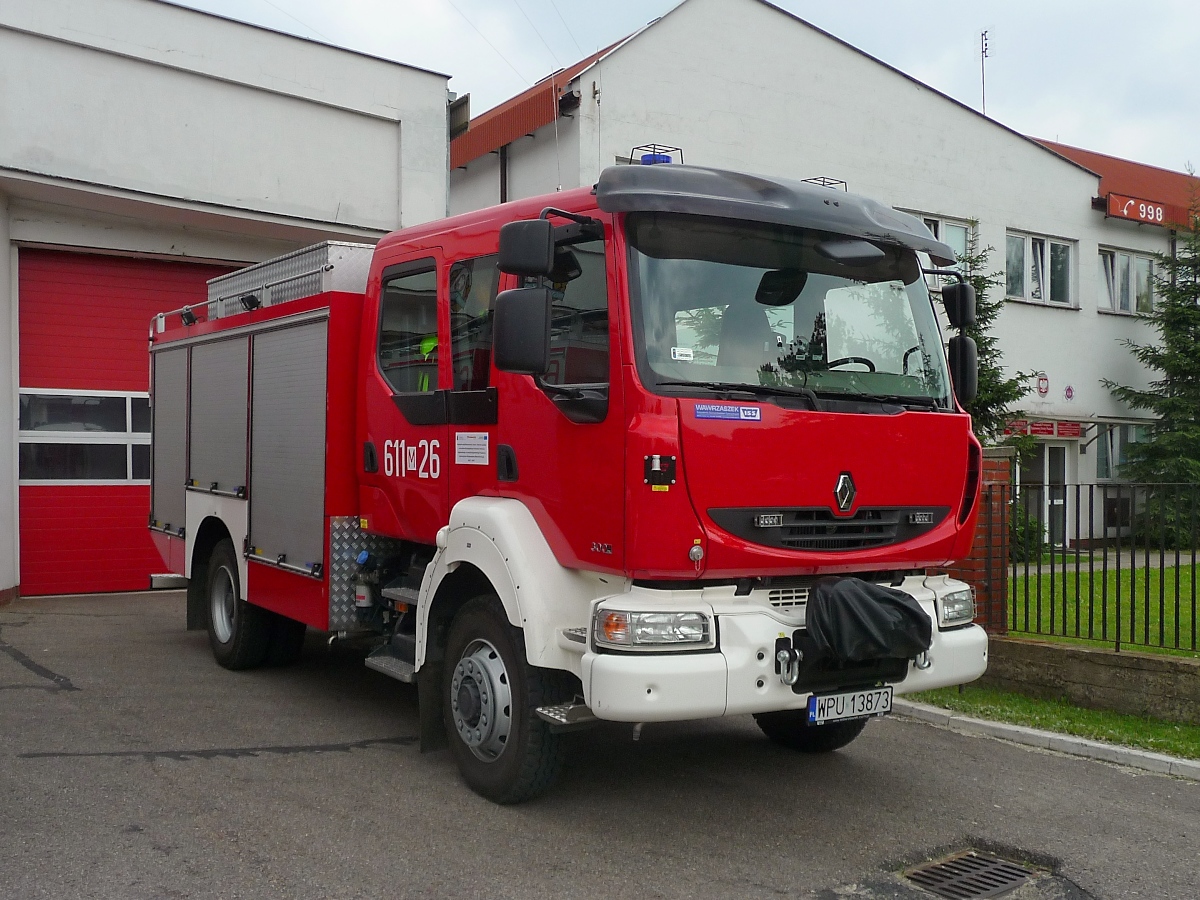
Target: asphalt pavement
[(132, 766)]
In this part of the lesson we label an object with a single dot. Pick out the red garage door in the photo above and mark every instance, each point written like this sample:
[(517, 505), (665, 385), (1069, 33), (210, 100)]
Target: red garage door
[(84, 420)]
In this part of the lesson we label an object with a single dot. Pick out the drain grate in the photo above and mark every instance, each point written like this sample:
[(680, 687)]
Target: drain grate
[(970, 876)]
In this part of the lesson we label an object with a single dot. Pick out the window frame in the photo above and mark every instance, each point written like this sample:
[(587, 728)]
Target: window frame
[(419, 266), (127, 438), (1038, 282), (1109, 281), (938, 225)]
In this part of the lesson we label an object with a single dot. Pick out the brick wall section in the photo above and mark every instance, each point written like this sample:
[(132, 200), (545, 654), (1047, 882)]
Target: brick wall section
[(986, 569), (1143, 684)]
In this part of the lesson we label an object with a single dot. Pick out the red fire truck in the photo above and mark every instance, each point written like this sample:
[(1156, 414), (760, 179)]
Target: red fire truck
[(680, 445)]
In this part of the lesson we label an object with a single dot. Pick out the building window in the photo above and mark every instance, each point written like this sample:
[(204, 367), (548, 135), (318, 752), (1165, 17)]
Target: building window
[(950, 232), (91, 437), (955, 234), (1112, 447), (1127, 282), (1037, 269)]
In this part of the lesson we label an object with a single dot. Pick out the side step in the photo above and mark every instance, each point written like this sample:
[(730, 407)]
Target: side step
[(572, 714), (382, 659)]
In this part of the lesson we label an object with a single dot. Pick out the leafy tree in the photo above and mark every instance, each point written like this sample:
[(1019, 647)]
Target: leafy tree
[(1171, 452), (992, 406)]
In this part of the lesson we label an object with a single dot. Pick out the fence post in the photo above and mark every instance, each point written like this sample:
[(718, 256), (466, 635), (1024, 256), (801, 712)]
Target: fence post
[(986, 568)]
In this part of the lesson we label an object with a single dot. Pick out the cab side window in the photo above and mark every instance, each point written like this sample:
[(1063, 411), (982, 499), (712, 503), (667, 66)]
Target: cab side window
[(579, 316), (473, 284), (408, 342)]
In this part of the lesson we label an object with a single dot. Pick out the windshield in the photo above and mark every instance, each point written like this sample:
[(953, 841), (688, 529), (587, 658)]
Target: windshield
[(726, 303)]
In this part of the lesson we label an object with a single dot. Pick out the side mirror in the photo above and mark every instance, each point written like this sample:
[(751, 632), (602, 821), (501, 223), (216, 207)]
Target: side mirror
[(527, 247), (521, 331), (964, 368), (959, 299)]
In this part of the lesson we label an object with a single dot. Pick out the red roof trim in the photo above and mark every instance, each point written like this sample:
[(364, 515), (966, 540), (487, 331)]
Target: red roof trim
[(1174, 190), (518, 116)]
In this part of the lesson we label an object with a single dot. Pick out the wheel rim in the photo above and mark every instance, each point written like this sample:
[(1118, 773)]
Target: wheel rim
[(222, 598), (481, 700)]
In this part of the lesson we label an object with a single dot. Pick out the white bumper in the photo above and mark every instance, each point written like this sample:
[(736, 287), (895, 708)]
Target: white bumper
[(739, 677)]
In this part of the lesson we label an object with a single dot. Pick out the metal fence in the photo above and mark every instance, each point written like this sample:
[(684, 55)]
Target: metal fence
[(1114, 563)]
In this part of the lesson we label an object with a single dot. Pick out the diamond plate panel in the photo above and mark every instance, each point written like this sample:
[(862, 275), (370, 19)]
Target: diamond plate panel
[(346, 541), (331, 266)]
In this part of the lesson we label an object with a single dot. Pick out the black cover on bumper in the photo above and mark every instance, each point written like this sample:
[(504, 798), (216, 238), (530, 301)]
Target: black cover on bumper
[(853, 620)]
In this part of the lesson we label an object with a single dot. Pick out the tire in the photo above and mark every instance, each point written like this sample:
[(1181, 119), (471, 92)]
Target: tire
[(287, 641), (239, 632), (790, 728), (489, 692)]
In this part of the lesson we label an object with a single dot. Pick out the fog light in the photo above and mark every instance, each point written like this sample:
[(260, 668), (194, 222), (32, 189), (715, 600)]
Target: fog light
[(652, 630), (956, 608)]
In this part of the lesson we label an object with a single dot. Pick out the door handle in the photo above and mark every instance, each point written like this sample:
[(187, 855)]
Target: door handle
[(370, 458)]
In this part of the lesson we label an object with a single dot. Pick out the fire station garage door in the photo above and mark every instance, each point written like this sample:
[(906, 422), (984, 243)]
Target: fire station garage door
[(84, 416)]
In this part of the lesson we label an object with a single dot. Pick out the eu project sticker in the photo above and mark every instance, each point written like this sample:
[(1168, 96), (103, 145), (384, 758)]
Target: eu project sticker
[(728, 411)]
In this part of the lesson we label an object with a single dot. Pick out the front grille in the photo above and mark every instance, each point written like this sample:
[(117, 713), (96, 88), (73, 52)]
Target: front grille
[(820, 529)]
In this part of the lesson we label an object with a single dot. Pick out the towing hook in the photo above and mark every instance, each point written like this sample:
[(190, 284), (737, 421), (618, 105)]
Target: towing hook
[(922, 660), (789, 665)]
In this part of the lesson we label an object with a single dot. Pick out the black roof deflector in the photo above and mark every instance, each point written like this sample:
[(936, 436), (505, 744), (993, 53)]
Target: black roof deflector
[(780, 201)]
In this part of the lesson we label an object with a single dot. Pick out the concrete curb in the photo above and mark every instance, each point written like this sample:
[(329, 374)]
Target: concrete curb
[(1049, 740)]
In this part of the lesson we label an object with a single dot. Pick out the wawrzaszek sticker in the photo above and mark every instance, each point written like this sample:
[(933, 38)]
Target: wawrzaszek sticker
[(728, 411)]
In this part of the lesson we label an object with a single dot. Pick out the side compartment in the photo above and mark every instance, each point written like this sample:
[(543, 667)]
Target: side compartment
[(287, 527), (168, 468)]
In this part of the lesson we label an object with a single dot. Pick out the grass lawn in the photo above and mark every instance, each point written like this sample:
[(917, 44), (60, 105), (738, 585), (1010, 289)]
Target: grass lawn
[(1056, 715), (1144, 606)]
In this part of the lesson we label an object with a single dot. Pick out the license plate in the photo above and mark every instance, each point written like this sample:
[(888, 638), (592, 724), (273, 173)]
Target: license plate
[(849, 705)]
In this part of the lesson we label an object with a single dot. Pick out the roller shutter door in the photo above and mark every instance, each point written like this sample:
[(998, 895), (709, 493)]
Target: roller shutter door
[(84, 418)]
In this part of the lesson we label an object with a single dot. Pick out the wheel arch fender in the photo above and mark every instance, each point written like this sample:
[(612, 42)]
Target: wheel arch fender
[(495, 543), (211, 531)]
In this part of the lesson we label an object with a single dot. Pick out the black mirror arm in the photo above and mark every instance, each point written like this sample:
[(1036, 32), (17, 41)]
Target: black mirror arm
[(954, 273), (583, 227)]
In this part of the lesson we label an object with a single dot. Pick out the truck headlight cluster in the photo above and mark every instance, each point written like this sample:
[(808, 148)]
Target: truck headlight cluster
[(652, 630), (956, 608)]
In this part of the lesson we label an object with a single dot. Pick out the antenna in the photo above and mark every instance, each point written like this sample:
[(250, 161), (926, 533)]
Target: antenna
[(983, 55)]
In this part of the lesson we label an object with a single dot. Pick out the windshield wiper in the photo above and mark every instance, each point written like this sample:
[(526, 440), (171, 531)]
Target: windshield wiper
[(757, 390), (908, 402)]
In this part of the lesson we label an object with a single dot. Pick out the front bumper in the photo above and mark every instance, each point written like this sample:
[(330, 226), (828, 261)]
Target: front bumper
[(739, 677)]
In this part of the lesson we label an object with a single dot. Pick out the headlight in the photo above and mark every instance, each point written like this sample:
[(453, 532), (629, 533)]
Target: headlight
[(651, 630), (956, 608)]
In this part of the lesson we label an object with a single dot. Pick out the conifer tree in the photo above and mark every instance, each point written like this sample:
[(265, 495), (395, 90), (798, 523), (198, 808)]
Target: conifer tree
[(1170, 455), (993, 403)]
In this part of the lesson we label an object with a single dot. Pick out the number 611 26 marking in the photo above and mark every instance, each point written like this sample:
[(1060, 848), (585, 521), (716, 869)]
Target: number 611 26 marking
[(420, 459)]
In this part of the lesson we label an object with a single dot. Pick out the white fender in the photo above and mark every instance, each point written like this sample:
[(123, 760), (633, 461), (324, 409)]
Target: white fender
[(500, 537), (233, 511)]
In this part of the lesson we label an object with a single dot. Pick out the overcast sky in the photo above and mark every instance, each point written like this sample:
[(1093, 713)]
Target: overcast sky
[(1109, 75)]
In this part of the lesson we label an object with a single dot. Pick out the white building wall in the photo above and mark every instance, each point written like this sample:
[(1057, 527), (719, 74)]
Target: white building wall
[(475, 186), (149, 97), (545, 161)]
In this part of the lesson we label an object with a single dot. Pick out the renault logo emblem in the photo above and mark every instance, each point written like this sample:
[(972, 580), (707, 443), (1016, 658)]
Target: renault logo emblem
[(844, 492)]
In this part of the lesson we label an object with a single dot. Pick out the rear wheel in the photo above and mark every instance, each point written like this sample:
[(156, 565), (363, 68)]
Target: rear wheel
[(503, 750), (790, 728), (239, 632)]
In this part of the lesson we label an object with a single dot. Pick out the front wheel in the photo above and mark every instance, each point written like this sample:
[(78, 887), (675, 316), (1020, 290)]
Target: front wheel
[(503, 750), (790, 728)]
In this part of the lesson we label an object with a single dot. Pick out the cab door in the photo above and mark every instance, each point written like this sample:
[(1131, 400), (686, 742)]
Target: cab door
[(405, 436)]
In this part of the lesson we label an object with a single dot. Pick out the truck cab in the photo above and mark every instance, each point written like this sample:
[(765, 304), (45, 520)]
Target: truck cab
[(681, 445)]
